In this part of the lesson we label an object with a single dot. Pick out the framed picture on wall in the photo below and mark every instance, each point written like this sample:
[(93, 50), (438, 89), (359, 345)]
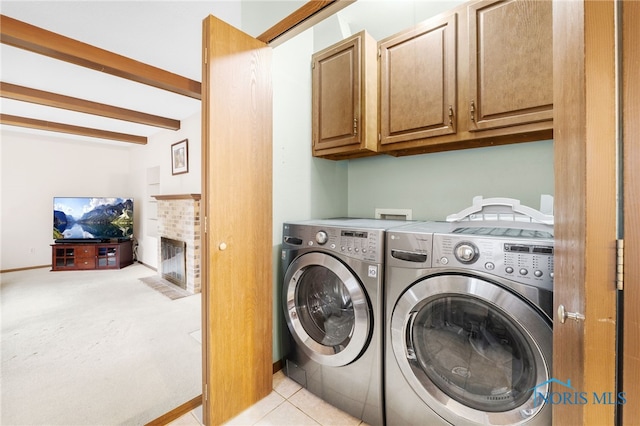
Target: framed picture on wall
[(179, 157)]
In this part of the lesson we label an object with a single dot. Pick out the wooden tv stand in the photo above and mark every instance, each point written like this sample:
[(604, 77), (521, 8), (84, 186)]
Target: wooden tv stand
[(91, 255)]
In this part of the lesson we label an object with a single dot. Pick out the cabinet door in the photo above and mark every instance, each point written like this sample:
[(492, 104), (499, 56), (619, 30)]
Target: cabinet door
[(107, 257), (63, 257), (344, 97), (510, 63), (418, 82)]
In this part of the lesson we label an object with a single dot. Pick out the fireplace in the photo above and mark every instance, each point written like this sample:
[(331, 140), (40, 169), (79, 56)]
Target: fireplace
[(173, 261), (179, 220)]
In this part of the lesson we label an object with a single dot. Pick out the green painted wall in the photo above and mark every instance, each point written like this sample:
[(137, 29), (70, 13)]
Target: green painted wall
[(438, 184)]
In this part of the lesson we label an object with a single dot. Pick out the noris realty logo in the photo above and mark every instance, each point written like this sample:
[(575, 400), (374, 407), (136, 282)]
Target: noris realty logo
[(566, 394)]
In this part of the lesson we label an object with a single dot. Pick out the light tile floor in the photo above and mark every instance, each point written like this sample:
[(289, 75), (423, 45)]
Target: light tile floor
[(288, 404)]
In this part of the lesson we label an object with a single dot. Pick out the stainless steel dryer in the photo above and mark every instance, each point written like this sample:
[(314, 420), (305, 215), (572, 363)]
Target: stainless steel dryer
[(333, 306), (468, 323)]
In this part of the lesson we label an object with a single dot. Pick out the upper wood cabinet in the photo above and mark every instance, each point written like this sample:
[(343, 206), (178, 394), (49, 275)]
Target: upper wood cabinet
[(344, 99), (510, 63), (479, 75), (418, 82)]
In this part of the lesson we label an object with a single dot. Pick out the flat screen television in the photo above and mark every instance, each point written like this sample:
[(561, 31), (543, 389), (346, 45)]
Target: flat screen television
[(99, 219)]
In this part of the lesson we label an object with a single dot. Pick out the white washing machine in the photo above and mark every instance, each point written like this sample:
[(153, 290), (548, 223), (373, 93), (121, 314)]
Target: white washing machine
[(468, 323), (333, 307)]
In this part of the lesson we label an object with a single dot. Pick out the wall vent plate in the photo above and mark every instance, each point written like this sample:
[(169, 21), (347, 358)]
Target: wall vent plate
[(393, 214)]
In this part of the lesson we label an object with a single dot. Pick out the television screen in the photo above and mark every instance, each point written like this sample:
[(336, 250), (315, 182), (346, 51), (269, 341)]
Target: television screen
[(92, 218)]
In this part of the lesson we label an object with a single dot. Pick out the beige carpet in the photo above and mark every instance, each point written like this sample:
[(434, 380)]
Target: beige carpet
[(94, 348)]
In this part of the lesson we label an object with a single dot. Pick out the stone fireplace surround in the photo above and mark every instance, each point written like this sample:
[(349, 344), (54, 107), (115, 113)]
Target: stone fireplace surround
[(179, 219)]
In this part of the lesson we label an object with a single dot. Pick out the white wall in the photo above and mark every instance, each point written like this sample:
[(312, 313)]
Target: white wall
[(37, 167), (157, 154)]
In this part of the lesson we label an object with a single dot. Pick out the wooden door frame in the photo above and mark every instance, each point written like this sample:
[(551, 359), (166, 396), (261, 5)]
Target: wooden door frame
[(630, 359), (585, 205)]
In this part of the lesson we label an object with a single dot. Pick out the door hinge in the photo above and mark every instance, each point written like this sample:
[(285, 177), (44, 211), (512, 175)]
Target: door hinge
[(205, 392), (313, 65), (205, 225), (620, 264), (206, 55)]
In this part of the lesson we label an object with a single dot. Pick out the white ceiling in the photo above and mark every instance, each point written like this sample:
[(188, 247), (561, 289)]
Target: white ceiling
[(164, 34)]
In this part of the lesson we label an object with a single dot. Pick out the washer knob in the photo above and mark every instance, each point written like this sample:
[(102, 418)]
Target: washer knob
[(322, 237), (466, 252)]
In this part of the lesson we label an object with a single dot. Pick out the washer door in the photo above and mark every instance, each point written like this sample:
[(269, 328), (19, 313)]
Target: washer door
[(472, 350), (326, 309)]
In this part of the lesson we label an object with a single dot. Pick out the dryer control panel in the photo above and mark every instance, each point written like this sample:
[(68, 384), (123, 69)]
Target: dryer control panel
[(524, 260), (361, 244)]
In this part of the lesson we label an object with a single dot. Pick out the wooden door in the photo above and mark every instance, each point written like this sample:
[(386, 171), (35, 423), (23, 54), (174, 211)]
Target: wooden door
[(236, 249), (584, 351), (418, 82), (510, 63), (631, 184), (344, 100)]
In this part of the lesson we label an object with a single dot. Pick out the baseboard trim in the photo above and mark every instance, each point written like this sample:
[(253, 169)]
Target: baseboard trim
[(177, 412), (144, 264), (26, 268)]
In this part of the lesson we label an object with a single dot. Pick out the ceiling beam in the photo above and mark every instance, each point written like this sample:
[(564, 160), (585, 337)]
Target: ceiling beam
[(12, 120), (302, 18), (26, 94), (29, 37)]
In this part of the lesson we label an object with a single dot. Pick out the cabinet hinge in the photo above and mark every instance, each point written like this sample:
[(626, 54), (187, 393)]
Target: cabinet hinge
[(620, 264)]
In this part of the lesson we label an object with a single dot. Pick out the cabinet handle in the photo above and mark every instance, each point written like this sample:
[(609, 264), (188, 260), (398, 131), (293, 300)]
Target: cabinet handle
[(473, 111), (355, 127), (450, 116)]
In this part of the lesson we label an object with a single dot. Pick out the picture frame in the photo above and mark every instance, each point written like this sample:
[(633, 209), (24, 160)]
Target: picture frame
[(180, 157)]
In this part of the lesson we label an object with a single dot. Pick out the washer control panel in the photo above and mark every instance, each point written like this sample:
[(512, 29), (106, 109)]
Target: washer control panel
[(528, 261), (362, 244)]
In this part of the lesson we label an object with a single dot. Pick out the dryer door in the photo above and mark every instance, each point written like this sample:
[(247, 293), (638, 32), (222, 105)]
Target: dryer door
[(473, 351), (326, 309)]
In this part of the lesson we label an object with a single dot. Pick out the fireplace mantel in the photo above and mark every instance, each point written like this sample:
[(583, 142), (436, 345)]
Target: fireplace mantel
[(177, 197)]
